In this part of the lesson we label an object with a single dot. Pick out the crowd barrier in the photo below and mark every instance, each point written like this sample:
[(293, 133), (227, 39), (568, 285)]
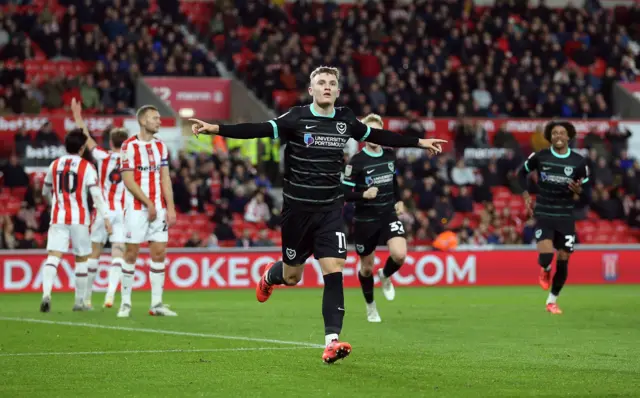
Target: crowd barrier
[(234, 269)]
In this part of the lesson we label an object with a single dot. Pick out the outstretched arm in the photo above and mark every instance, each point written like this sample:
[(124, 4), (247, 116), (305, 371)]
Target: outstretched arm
[(273, 128), (76, 110), (391, 139), (242, 130)]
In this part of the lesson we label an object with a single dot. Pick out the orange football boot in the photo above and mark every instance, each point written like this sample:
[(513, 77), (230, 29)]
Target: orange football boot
[(554, 309), (263, 289), (336, 350), (545, 279)]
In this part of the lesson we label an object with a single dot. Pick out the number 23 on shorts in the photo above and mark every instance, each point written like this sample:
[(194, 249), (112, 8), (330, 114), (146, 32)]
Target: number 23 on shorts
[(569, 241)]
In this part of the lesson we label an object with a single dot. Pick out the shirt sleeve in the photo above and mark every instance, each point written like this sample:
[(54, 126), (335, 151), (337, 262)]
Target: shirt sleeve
[(360, 131), (531, 163), (48, 178), (582, 174), (284, 123), (164, 156), (99, 153), (90, 176), (127, 156), (350, 174)]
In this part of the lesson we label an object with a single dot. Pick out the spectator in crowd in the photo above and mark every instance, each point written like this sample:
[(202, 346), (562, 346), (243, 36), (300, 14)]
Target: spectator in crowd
[(462, 175), (14, 174), (28, 241), (463, 202), (212, 242), (263, 239), (245, 241), (46, 136), (9, 241), (257, 210), (194, 240)]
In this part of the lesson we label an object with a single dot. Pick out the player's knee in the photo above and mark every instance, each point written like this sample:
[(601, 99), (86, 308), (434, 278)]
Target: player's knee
[(95, 251), (366, 270), (117, 250), (563, 256), (291, 280), (131, 253), (157, 257), (545, 259), (398, 256)]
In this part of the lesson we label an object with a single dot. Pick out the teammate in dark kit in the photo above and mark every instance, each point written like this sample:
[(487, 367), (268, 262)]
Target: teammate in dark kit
[(315, 136), (370, 181), (563, 179)]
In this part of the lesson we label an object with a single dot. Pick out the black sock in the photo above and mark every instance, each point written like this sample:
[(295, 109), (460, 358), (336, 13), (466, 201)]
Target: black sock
[(333, 303), (367, 287), (390, 267), (275, 276), (560, 277)]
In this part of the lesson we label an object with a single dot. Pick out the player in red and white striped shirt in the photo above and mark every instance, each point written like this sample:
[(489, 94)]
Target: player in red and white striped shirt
[(149, 208), (69, 181), (110, 182)]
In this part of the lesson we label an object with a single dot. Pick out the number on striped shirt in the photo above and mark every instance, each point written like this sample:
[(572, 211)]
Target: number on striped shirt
[(67, 181)]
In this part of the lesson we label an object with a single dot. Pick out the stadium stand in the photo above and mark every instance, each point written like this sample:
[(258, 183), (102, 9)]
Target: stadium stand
[(485, 67), (105, 48)]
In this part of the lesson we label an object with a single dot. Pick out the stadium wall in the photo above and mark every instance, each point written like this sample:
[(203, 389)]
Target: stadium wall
[(241, 268)]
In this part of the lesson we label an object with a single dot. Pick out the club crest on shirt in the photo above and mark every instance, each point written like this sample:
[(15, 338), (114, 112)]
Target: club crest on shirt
[(341, 127), (568, 171), (360, 248), (538, 233), (348, 170), (391, 166)]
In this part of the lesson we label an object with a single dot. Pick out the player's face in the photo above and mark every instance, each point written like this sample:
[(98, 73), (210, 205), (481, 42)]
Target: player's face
[(151, 121), (371, 145), (559, 137), (324, 89)]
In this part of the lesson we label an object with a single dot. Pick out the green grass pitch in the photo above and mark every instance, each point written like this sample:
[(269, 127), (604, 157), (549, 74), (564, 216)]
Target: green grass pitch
[(444, 342)]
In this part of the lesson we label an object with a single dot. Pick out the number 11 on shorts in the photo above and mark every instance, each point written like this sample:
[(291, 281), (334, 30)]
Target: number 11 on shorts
[(342, 242)]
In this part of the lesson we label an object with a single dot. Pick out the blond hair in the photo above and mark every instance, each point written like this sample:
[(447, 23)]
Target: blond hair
[(372, 118), (330, 70), (143, 111)]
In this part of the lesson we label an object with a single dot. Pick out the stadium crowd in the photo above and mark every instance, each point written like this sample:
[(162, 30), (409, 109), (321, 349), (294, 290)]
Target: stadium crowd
[(120, 41), (437, 59), (425, 58)]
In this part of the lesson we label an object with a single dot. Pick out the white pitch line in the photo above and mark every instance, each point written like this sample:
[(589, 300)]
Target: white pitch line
[(40, 354), (161, 331)]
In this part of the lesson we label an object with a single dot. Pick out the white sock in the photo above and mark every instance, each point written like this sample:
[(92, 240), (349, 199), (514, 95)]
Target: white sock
[(552, 298), (329, 338), (91, 277), (81, 281), (128, 271), (156, 275), (115, 275), (49, 273)]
